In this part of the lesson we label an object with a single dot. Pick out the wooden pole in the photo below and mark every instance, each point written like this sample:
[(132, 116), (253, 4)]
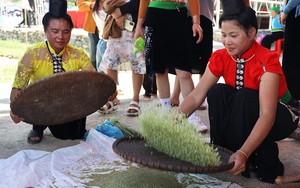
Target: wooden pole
[(26, 26)]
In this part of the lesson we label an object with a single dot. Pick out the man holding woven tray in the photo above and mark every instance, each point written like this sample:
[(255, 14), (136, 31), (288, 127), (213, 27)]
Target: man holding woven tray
[(52, 56)]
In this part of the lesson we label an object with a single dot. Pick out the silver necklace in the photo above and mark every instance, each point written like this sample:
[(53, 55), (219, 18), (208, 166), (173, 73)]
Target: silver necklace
[(239, 60), (240, 66)]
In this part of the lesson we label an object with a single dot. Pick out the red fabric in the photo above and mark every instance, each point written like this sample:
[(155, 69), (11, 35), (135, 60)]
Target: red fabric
[(77, 18), (221, 64)]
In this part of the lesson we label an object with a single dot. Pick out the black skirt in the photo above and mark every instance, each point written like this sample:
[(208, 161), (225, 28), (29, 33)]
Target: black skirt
[(167, 41), (291, 60)]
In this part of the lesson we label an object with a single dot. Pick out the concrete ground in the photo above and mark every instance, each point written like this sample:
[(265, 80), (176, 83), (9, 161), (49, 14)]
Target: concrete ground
[(13, 136)]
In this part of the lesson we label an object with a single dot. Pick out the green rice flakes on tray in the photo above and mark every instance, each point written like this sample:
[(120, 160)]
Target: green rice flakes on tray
[(171, 133)]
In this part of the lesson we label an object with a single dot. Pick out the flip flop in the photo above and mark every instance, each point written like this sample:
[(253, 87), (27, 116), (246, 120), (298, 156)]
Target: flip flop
[(34, 133)]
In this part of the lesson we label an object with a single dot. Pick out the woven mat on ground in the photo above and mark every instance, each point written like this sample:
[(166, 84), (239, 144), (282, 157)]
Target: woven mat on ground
[(63, 97), (136, 150)]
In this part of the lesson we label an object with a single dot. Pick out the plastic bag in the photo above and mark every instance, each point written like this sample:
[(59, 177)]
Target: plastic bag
[(108, 129)]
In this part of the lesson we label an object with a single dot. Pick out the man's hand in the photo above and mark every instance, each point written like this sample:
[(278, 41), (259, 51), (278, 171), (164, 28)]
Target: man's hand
[(15, 118)]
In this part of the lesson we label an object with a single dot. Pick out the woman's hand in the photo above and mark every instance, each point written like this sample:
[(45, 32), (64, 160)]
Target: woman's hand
[(239, 160), (282, 17), (120, 22), (15, 118), (197, 30)]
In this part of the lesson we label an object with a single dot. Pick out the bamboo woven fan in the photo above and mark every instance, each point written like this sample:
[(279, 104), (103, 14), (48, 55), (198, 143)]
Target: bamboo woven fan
[(136, 150), (63, 97)]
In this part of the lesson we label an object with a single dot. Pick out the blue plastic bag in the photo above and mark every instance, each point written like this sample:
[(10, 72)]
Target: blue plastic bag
[(108, 129)]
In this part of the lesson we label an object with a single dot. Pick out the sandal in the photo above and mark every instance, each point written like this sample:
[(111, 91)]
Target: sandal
[(116, 100), (133, 109), (35, 134), (108, 107)]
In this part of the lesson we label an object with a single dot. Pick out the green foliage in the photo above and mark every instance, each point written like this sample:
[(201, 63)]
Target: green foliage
[(71, 4), (13, 49), (171, 133), (128, 132), (7, 73), (10, 50)]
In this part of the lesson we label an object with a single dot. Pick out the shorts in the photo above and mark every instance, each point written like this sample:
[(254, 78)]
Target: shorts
[(101, 47)]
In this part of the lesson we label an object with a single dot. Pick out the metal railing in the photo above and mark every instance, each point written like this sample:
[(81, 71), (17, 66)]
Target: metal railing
[(261, 8)]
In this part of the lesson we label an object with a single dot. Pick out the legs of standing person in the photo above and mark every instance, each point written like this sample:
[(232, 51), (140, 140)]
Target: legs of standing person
[(111, 105), (200, 54), (176, 93), (186, 87), (269, 39), (203, 106), (93, 38), (185, 81), (147, 85), (23, 21), (154, 87), (137, 80), (28, 16), (101, 47), (134, 107), (138, 69), (163, 87)]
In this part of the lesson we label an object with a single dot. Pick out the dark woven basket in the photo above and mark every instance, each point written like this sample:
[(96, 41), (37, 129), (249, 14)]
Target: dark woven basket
[(63, 97), (136, 150)]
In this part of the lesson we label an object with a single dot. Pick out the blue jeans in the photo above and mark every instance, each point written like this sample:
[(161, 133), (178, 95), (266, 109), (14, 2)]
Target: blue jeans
[(94, 38), (101, 47)]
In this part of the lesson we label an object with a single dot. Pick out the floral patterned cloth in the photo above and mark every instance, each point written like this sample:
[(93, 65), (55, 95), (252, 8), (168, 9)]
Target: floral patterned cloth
[(120, 50)]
